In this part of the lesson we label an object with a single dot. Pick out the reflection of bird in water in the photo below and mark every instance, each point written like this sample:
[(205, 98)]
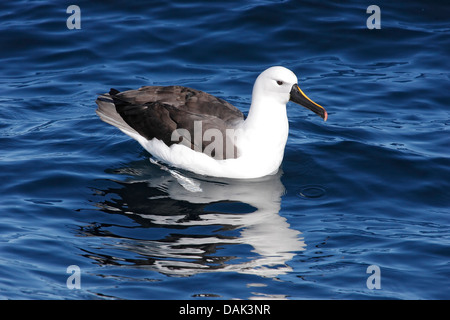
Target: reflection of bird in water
[(197, 230)]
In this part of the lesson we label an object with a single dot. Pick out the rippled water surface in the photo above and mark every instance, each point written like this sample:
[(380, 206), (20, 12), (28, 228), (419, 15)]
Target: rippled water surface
[(368, 187)]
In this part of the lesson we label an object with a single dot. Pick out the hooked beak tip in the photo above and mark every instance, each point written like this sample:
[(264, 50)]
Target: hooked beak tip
[(302, 99)]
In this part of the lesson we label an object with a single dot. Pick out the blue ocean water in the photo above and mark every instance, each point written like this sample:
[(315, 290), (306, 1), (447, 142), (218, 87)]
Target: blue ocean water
[(369, 187)]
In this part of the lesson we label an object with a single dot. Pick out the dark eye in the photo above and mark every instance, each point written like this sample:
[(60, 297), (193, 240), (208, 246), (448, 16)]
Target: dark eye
[(280, 83)]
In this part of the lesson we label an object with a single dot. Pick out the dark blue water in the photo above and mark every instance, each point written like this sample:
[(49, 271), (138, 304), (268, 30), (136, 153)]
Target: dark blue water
[(371, 186)]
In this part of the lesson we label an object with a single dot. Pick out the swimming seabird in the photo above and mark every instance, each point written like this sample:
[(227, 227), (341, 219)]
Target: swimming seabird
[(198, 132)]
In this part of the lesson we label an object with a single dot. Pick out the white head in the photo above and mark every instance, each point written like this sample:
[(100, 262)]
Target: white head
[(280, 84), (276, 83)]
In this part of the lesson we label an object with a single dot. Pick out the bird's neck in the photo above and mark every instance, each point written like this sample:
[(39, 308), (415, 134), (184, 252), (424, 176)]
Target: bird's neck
[(266, 127), (265, 114)]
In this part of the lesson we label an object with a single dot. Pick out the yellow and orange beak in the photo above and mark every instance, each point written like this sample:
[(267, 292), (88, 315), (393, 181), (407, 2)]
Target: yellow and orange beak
[(302, 99)]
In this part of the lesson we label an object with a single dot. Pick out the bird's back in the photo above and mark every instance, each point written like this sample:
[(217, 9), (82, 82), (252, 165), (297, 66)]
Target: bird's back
[(159, 112)]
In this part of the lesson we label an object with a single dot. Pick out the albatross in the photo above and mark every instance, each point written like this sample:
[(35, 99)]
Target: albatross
[(204, 134)]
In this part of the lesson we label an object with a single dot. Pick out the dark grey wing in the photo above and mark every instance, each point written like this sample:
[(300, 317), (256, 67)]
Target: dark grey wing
[(156, 112)]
